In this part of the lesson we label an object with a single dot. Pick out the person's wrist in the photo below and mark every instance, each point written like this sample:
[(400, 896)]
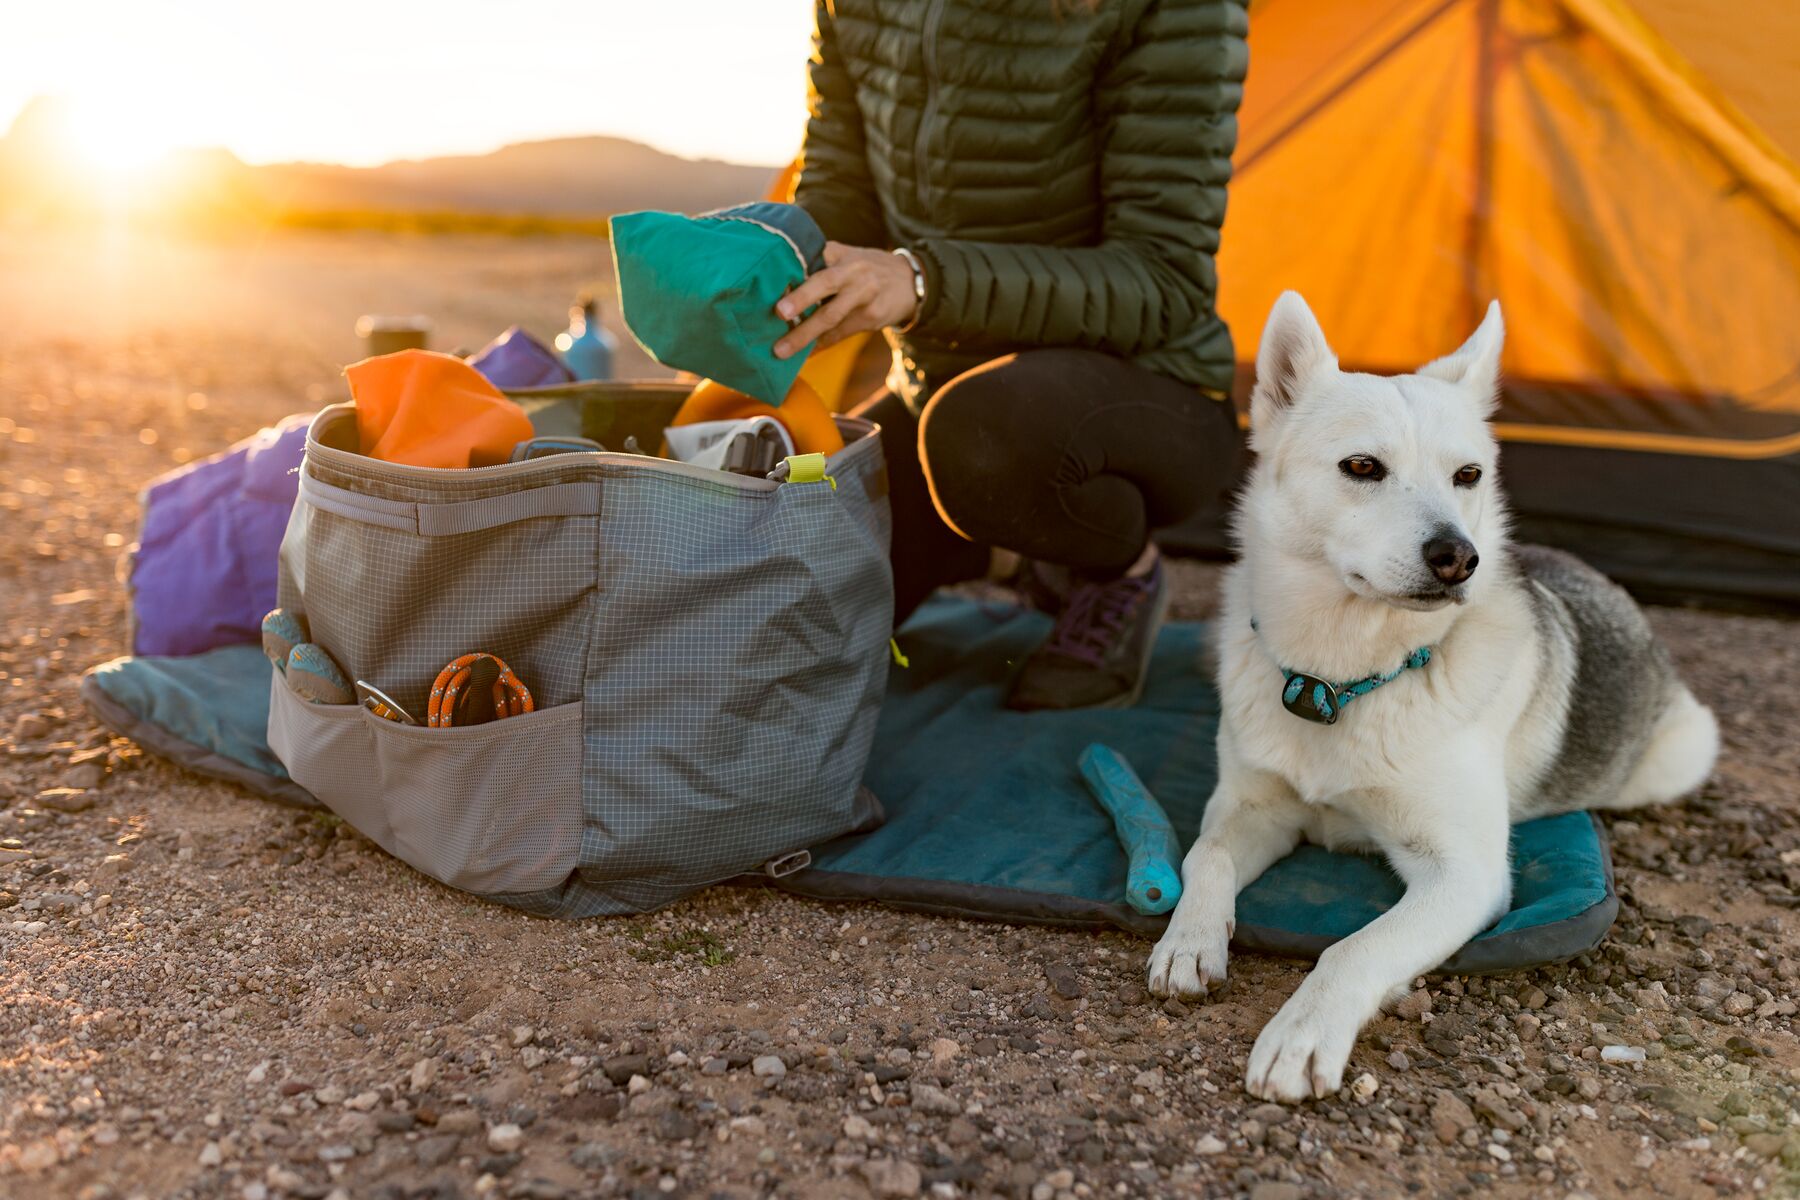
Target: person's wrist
[(918, 285)]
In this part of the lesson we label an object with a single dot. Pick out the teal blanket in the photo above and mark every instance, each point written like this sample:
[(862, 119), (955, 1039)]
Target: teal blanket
[(987, 815)]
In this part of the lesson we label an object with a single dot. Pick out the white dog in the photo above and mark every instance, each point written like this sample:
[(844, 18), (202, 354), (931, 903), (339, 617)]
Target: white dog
[(1381, 692)]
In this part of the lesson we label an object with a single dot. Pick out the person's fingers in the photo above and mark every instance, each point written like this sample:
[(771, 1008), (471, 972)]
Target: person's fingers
[(860, 321), (813, 290), (828, 317), (835, 253)]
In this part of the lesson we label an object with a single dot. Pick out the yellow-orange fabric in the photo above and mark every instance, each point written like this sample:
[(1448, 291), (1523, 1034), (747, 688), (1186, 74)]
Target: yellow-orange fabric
[(432, 410), (804, 414), (1400, 162)]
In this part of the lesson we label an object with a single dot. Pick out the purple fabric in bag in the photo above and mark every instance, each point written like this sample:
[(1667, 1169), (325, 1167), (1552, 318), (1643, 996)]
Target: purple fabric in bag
[(203, 574), (515, 359)]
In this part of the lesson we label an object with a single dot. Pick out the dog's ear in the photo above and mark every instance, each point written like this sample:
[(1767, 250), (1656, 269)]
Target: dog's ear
[(1293, 353), (1476, 365)]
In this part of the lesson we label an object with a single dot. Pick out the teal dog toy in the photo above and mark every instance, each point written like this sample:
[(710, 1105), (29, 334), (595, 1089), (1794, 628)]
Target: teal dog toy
[(1153, 884)]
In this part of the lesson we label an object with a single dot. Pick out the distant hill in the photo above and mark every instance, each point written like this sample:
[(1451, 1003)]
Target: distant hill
[(576, 177), (581, 176)]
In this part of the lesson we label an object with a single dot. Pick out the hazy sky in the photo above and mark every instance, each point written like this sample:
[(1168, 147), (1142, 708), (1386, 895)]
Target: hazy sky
[(372, 80)]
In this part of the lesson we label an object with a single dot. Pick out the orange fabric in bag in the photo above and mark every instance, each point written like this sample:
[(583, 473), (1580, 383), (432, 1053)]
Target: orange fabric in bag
[(433, 410), (804, 414)]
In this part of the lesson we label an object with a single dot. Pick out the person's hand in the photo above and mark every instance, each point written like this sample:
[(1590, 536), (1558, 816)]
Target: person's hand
[(860, 289)]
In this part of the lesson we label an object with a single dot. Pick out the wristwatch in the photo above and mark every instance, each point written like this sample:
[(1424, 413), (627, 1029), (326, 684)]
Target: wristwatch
[(912, 260)]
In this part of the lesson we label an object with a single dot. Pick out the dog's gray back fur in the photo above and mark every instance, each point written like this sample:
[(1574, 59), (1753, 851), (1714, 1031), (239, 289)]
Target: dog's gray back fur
[(1617, 676)]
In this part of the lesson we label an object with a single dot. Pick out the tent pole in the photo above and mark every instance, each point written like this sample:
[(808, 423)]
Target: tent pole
[(1481, 187)]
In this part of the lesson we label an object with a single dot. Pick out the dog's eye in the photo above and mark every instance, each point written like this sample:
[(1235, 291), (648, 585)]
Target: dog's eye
[(1363, 467), (1468, 476)]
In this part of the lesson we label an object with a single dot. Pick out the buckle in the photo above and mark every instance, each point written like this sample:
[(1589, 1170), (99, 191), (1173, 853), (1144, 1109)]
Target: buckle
[(788, 864), (1311, 699)]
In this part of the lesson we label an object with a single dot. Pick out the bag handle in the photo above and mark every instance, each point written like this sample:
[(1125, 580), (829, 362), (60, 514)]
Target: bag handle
[(451, 517)]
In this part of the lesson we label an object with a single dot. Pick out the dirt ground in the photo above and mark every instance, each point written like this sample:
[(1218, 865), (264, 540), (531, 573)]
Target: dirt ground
[(205, 994)]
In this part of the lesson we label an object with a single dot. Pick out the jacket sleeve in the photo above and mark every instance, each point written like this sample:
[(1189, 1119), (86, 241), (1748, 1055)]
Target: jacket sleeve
[(1168, 130), (835, 186)]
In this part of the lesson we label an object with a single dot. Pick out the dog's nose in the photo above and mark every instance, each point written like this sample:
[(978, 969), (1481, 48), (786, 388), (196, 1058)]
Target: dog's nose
[(1451, 556)]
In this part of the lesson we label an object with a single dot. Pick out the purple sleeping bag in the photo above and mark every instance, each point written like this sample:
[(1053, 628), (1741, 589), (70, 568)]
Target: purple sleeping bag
[(203, 573)]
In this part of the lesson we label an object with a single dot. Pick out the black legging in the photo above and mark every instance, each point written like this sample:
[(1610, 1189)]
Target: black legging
[(1067, 456)]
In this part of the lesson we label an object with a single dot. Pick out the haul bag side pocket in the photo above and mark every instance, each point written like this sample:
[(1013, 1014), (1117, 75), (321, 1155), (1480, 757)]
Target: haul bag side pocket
[(493, 809)]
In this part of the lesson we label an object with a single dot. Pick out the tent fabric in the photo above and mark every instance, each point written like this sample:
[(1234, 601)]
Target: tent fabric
[(987, 815), (1402, 162)]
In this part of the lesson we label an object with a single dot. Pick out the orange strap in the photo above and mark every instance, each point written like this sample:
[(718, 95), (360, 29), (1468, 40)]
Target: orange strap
[(511, 697)]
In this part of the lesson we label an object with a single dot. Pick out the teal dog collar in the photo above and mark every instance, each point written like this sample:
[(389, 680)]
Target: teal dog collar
[(1322, 702)]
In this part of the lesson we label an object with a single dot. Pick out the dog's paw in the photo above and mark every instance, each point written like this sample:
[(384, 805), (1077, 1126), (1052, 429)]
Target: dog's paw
[(1301, 1053), (1190, 958)]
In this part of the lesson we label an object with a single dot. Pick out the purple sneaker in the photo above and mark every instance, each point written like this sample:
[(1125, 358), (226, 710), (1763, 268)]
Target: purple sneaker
[(1097, 654)]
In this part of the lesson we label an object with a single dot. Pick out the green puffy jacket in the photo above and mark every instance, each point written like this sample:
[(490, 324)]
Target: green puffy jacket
[(1060, 171)]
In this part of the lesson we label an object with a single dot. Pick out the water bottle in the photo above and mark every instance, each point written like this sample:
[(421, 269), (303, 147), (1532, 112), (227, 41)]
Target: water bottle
[(587, 347)]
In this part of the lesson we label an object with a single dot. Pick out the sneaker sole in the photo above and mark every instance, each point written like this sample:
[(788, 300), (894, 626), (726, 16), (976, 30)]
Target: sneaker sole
[(1158, 618)]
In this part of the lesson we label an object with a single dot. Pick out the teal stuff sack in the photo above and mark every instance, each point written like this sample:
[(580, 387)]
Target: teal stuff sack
[(699, 293)]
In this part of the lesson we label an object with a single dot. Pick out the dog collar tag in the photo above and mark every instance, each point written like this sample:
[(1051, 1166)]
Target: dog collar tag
[(1311, 698)]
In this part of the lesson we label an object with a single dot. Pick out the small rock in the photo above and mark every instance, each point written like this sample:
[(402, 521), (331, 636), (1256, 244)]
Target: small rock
[(363, 1101), (622, 1068), (1764, 1145), (858, 1129), (331, 1093), (522, 1035), (1450, 1116), (1399, 1061), (934, 1101), (637, 1085), (1500, 1152), (211, 1155), (459, 1121), (396, 1122), (676, 1126), (504, 1139), (961, 1132), (1270, 1189), (891, 1178), (770, 1066), (424, 1074), (1693, 927), (30, 727), (435, 1151), (944, 1050), (1737, 1004), (1529, 1026), (1533, 998), (497, 1165), (1209, 1145), (1269, 1115), (715, 1066), (1364, 1086), (66, 799), (40, 1155), (1622, 1054), (1413, 1006), (1065, 981)]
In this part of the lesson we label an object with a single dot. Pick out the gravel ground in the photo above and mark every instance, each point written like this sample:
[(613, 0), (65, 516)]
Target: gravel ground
[(204, 994)]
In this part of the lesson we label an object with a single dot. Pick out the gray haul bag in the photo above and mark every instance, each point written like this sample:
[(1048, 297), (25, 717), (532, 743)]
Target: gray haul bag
[(706, 652)]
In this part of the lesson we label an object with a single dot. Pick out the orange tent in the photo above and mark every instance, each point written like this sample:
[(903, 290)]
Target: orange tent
[(1619, 176)]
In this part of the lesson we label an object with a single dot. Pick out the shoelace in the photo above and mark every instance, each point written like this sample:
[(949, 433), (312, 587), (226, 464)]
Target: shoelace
[(1092, 616)]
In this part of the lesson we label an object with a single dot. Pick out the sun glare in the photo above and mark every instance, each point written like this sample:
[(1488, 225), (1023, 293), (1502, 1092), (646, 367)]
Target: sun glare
[(116, 136)]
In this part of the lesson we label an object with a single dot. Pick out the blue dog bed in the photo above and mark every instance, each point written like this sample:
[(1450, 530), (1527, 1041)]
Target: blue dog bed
[(986, 812)]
